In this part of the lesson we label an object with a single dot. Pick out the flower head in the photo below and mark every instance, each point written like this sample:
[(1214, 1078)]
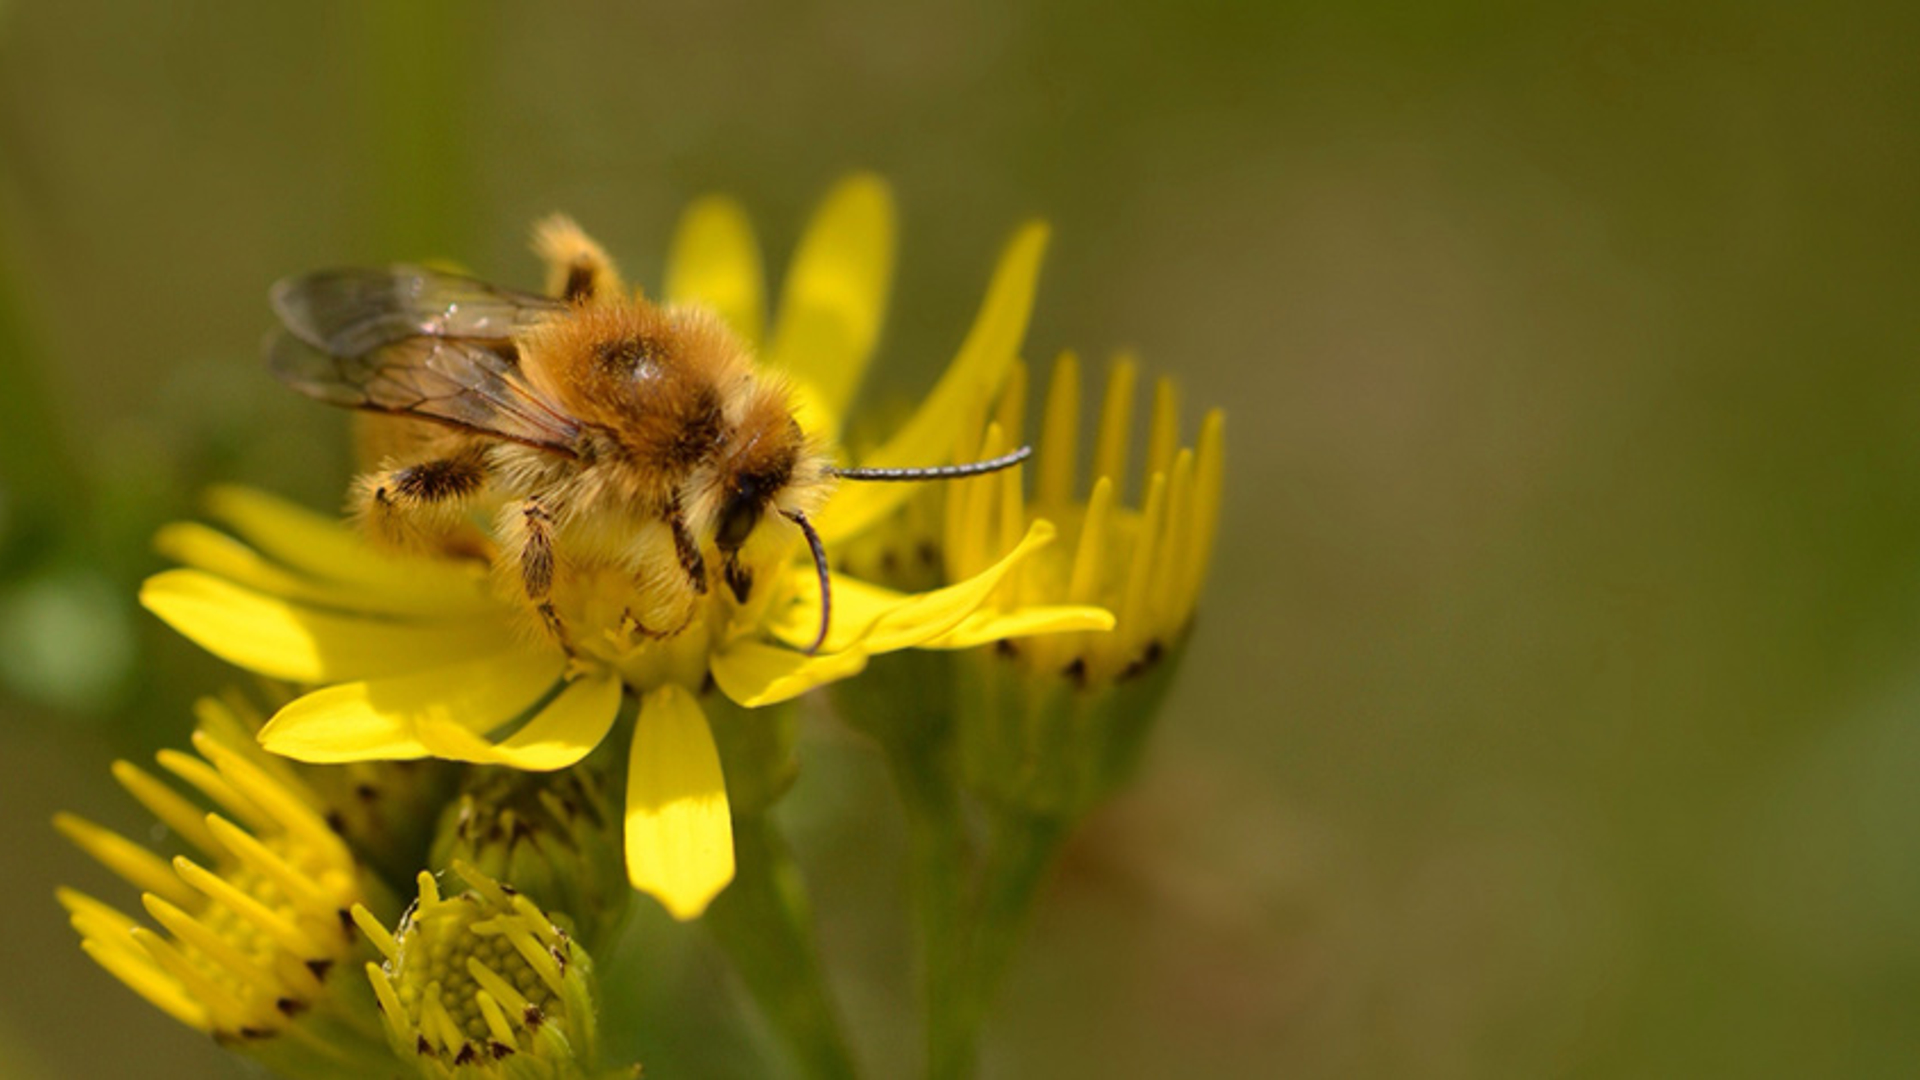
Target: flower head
[(484, 984), (423, 656), (1053, 723), (552, 835), (253, 946)]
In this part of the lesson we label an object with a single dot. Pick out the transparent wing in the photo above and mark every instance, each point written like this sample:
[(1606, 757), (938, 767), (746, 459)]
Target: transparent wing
[(419, 343), (353, 312), (465, 383)]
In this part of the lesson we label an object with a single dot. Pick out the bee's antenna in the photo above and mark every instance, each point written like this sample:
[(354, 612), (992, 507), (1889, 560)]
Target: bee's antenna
[(819, 564), (936, 472)]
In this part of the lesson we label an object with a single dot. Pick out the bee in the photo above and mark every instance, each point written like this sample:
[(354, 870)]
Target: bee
[(604, 431)]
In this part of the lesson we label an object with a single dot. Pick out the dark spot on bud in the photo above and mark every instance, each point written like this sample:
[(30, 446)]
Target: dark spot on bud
[(367, 792), (321, 967), (290, 1006), (1077, 672), (337, 823), (467, 1054), (1146, 660), (422, 1046), (928, 553), (498, 1049), (533, 1017), (1006, 648)]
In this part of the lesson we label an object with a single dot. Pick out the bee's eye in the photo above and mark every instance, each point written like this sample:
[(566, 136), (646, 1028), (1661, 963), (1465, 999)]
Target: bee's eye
[(737, 520)]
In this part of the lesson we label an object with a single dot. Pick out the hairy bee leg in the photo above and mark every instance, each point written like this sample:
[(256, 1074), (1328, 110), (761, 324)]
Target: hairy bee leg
[(687, 548), (668, 601), (536, 568), (418, 505), (739, 578), (578, 269)]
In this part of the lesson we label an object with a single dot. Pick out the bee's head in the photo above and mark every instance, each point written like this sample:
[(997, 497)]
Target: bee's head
[(765, 467)]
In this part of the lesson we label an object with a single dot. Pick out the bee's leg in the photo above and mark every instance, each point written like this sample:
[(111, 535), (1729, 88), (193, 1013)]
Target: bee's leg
[(687, 548), (666, 596), (536, 567), (738, 578), (578, 270), (420, 506)]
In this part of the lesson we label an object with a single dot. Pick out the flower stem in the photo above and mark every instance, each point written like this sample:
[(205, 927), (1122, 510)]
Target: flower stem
[(1016, 866), (765, 924), (940, 857)]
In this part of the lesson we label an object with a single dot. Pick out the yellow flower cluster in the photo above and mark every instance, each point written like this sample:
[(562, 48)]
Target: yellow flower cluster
[(421, 657)]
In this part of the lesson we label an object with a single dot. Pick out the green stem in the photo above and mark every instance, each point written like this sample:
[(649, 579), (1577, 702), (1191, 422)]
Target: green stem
[(1016, 866), (940, 856), (765, 924)]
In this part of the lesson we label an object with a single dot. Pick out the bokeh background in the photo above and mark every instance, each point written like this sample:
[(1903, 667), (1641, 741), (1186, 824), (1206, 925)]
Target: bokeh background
[(1555, 707)]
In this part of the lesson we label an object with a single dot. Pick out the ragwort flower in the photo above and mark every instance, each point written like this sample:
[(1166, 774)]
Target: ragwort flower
[(484, 985), (1053, 724), (424, 657), (254, 946)]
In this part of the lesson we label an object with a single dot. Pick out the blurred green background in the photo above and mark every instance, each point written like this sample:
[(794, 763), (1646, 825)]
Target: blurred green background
[(1555, 708)]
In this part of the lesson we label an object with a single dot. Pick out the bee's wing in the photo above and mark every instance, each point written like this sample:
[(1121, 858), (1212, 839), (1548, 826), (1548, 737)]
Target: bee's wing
[(417, 343), (353, 312)]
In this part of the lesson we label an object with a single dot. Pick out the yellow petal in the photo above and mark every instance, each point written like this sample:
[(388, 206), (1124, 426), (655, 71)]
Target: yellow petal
[(835, 295), (203, 548), (323, 547), (986, 625), (753, 674), (716, 262), (565, 730), (384, 719), (930, 434), (142, 868), (679, 827), (303, 644), (876, 620)]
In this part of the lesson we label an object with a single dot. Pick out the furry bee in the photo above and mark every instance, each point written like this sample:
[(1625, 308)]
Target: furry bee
[(609, 431)]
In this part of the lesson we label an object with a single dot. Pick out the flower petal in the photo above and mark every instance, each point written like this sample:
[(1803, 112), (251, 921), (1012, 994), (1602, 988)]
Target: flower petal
[(323, 547), (876, 620), (929, 436), (986, 626), (835, 296), (565, 730), (204, 548), (753, 674), (381, 719), (679, 827), (304, 644), (716, 262)]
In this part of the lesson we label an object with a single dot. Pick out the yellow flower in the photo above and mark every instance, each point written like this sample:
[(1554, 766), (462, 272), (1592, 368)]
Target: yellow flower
[(484, 984), (256, 950), (420, 657), (1055, 723), (553, 836)]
